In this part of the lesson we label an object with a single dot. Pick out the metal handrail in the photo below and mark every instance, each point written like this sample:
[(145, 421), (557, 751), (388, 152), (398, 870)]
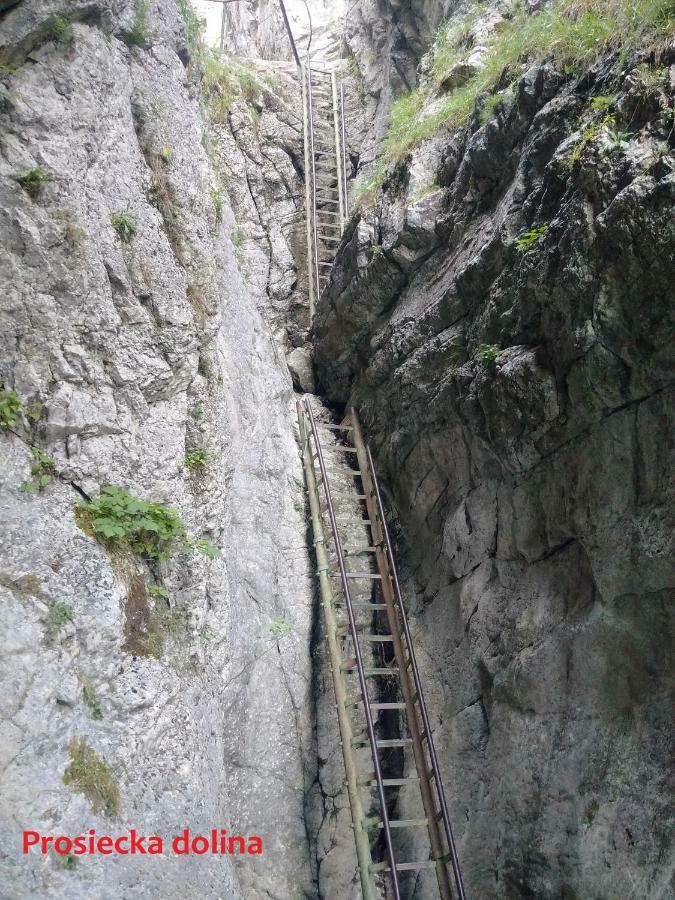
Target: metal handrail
[(290, 33), (418, 687), (370, 727)]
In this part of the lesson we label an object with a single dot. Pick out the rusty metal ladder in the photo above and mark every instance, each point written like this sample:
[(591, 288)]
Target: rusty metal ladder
[(323, 105), (395, 632)]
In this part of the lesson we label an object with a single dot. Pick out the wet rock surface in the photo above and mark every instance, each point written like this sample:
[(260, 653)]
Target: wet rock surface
[(517, 390)]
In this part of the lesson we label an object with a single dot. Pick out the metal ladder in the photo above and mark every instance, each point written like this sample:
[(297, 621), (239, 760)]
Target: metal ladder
[(379, 622), (325, 172)]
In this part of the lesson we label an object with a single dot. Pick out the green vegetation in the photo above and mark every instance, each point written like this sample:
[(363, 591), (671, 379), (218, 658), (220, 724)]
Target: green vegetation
[(90, 697), (279, 628), (196, 460), (58, 617), (139, 34), (11, 408), (602, 103), (487, 352), (61, 29), (89, 775), (217, 200), (158, 590), (65, 861), (227, 80), (528, 238), (32, 180), (573, 32), (149, 529), (125, 225), (376, 250), (43, 471), (194, 28), (196, 412), (163, 195), (238, 237)]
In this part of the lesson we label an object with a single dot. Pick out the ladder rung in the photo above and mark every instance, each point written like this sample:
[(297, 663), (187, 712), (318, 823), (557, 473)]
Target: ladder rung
[(344, 449), (370, 575), (353, 521), (402, 823), (369, 779), (358, 604), (415, 866), (387, 705), (336, 427), (385, 638), (393, 742), (350, 667)]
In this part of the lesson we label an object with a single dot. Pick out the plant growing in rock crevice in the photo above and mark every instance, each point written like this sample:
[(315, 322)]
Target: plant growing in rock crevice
[(163, 196), (488, 353), (139, 34), (148, 529), (43, 472), (59, 615), (89, 774), (11, 408), (32, 180), (125, 225), (529, 238), (197, 459), (90, 697)]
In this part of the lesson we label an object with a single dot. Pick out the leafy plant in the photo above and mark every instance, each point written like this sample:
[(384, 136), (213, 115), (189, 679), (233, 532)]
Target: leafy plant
[(149, 529), (11, 408), (279, 628), (618, 140), (197, 459), (488, 352), (65, 861), (138, 35), (196, 412), (528, 238), (32, 180), (158, 590), (602, 103), (376, 250), (125, 225), (43, 470), (59, 615), (206, 548), (207, 634), (89, 775)]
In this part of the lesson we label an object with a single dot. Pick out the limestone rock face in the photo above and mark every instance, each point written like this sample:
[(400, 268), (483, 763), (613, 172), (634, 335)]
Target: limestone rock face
[(133, 341), (516, 386)]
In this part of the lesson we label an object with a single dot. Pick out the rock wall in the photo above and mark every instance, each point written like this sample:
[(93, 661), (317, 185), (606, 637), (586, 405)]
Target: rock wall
[(191, 678), (517, 389)]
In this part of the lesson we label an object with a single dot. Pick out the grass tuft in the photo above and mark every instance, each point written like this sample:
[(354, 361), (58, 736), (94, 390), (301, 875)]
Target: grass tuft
[(571, 32), (89, 775), (32, 180), (125, 225)]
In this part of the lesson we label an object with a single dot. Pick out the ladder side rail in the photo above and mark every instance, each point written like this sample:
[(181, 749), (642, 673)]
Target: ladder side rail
[(407, 689), (312, 211), (338, 149), (344, 148), (308, 192), (459, 883), (361, 838), (370, 728)]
